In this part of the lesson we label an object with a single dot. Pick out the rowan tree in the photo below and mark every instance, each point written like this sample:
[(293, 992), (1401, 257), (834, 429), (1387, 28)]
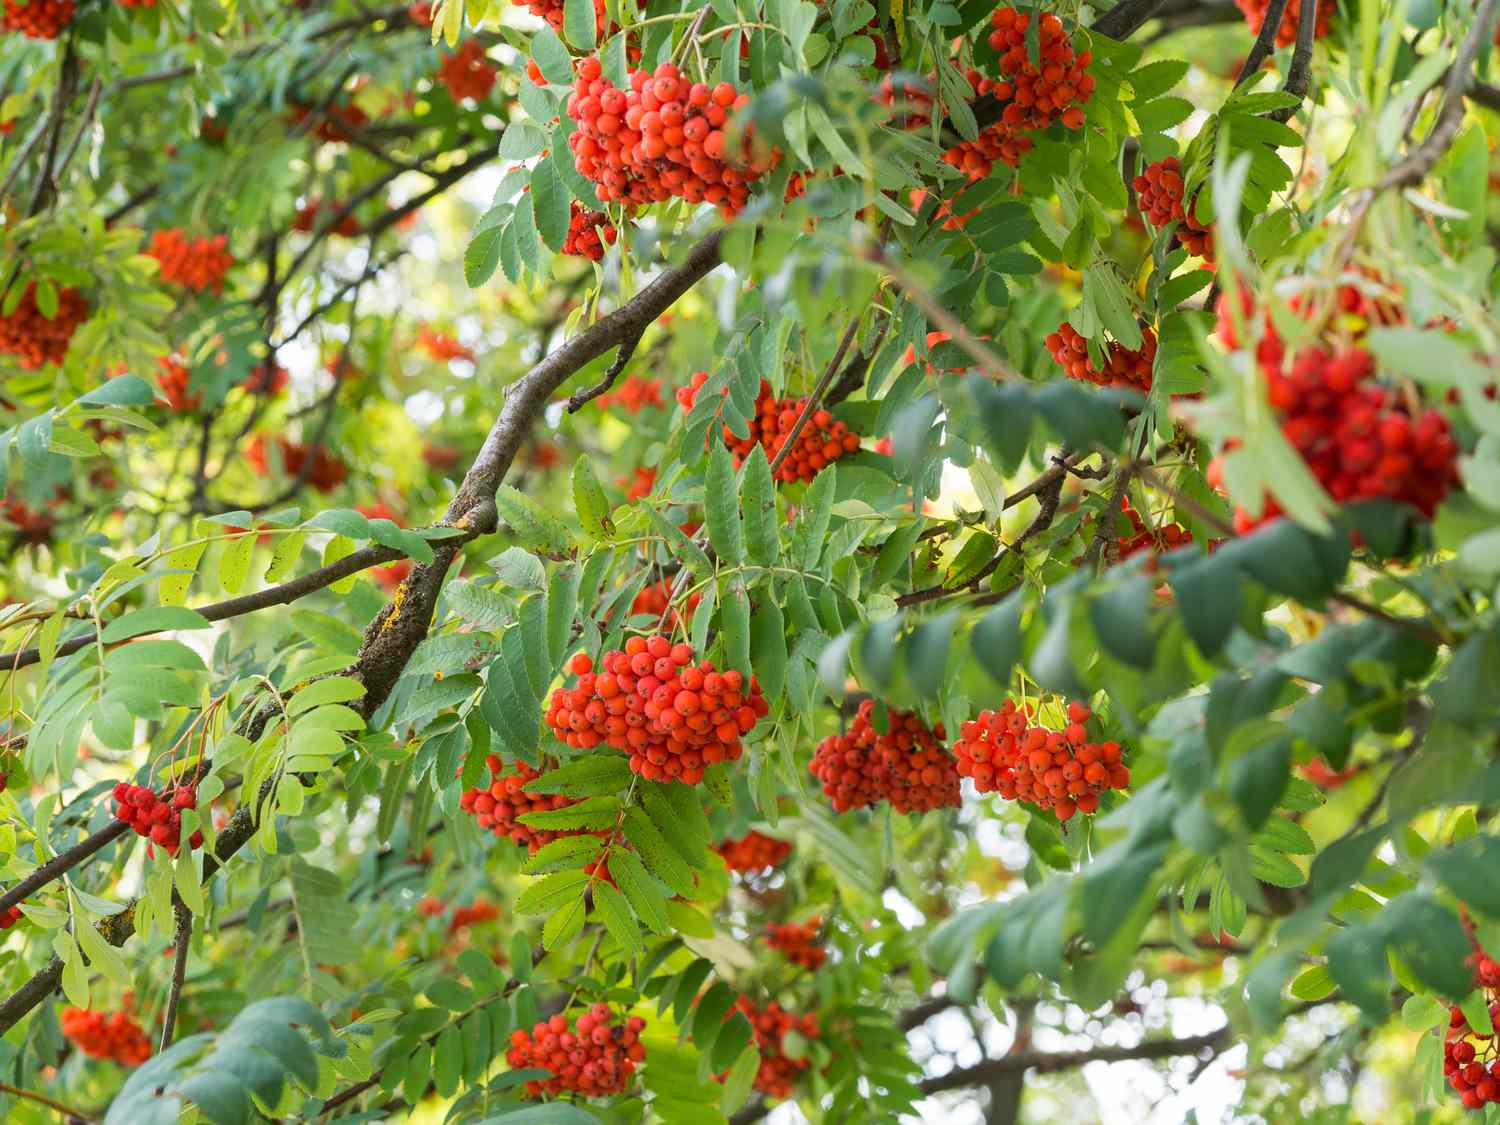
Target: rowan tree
[(604, 562)]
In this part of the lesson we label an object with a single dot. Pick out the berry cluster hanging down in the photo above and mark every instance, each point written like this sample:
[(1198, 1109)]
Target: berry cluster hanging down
[(476, 913), (37, 19), (1123, 368), (798, 944), (158, 818), (650, 700), (907, 765), (1360, 440), (595, 1056), (654, 600), (32, 525), (306, 219), (633, 395), (663, 136), (1254, 12), (194, 263), (823, 440), (1059, 770), (441, 346), (1159, 193), (267, 379), (116, 1036), (10, 916), (1471, 1059), (499, 806), (468, 72), (173, 379), (325, 473), (754, 851), (778, 1070), (1158, 539), (1032, 95), (36, 339), (552, 12), (588, 233), (335, 122)]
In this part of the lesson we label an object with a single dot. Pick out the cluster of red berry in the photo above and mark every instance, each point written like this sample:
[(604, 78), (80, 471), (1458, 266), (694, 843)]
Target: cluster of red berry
[(654, 599), (823, 440), (325, 473), (441, 346), (798, 944), (335, 122), (420, 14), (951, 220), (1034, 95), (672, 716), (116, 1036), (633, 395), (662, 137), (778, 1070), (1358, 439), (1158, 540), (1122, 368), (1473, 1071), (588, 233), (32, 525), (499, 806), (474, 914), (1159, 194), (754, 851), (907, 765), (36, 339), (9, 917), (552, 12), (159, 819), (639, 483), (173, 379), (468, 72), (1058, 770), (194, 263), (307, 218), (37, 19), (596, 1057), (1471, 1059), (1286, 33), (267, 379)]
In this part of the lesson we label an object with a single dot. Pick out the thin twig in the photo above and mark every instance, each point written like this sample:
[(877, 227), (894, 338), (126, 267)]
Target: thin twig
[(1445, 129), (1299, 72), (988, 359), (69, 1113), (183, 938), (627, 349), (813, 400), (1265, 41)]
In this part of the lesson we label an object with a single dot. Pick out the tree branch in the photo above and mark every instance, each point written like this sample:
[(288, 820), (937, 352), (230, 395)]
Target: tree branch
[(1048, 489), (1299, 73), (1265, 41), (396, 631), (1048, 1062), (1445, 129), (627, 349), (808, 407), (63, 862), (183, 939), (1126, 18)]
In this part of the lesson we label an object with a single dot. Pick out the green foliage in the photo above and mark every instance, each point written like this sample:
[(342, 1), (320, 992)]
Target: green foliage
[(1295, 656)]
